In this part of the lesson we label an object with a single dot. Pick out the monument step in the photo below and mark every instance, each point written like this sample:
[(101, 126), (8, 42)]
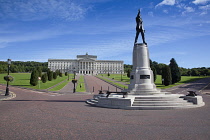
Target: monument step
[(156, 97), (173, 99), (161, 101), (92, 101), (162, 104), (159, 107)]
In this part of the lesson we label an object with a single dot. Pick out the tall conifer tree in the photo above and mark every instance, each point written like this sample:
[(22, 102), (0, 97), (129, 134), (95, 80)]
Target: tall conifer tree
[(166, 75), (34, 78), (175, 72)]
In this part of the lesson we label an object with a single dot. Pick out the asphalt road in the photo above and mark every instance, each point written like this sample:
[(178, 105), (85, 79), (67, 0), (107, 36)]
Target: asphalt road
[(38, 115)]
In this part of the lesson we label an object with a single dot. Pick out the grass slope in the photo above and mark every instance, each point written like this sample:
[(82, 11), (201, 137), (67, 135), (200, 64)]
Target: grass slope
[(23, 80), (158, 82)]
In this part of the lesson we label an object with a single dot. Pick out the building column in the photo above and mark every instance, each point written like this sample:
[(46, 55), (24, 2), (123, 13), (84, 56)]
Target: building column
[(88, 68), (91, 67), (79, 67), (84, 67)]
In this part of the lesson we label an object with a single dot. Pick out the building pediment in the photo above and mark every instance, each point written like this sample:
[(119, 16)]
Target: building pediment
[(86, 60), (93, 57)]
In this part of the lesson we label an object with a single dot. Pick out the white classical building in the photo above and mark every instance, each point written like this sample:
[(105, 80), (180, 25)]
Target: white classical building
[(86, 64)]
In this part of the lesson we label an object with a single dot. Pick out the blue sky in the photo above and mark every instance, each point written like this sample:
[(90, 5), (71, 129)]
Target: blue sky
[(35, 30)]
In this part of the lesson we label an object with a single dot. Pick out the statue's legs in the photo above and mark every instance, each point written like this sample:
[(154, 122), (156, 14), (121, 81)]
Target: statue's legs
[(137, 35), (142, 35)]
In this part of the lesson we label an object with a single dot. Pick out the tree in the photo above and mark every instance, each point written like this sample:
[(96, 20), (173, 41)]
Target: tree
[(159, 68), (127, 67), (108, 74), (128, 73), (39, 70), (54, 75), (34, 77), (66, 73), (189, 72), (166, 75), (154, 73), (153, 69), (57, 72), (60, 74), (44, 78), (18, 66), (194, 72), (50, 75), (205, 72), (175, 72)]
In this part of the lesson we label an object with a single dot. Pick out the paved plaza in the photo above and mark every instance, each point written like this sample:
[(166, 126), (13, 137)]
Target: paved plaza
[(41, 115)]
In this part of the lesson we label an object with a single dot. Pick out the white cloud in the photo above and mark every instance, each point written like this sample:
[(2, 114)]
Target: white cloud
[(204, 9), (165, 11), (15, 37), (207, 7), (150, 14), (3, 44), (196, 2), (41, 9), (166, 2), (188, 10)]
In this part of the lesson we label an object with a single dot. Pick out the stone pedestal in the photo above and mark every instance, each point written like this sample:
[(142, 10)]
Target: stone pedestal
[(141, 78)]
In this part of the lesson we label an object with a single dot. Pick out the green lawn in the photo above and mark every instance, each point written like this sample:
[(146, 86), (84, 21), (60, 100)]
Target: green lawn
[(59, 87), (184, 79), (117, 77), (158, 82), (110, 81), (20, 79), (82, 83), (23, 80)]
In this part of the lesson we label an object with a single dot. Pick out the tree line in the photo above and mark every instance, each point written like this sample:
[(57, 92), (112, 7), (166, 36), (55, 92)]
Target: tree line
[(37, 74), (171, 73), (174, 72), (201, 71), (19, 66)]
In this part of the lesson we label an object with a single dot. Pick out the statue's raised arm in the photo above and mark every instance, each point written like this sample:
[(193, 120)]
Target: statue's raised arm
[(139, 28)]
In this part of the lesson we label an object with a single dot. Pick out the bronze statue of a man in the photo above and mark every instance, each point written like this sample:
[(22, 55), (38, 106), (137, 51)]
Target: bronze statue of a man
[(139, 28)]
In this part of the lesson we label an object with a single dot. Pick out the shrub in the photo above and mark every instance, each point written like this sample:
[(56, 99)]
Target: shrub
[(50, 75), (166, 75), (34, 78), (44, 78), (54, 75)]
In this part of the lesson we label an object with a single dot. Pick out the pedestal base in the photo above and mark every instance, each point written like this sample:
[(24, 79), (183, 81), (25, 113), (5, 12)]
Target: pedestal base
[(142, 79), (147, 102)]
